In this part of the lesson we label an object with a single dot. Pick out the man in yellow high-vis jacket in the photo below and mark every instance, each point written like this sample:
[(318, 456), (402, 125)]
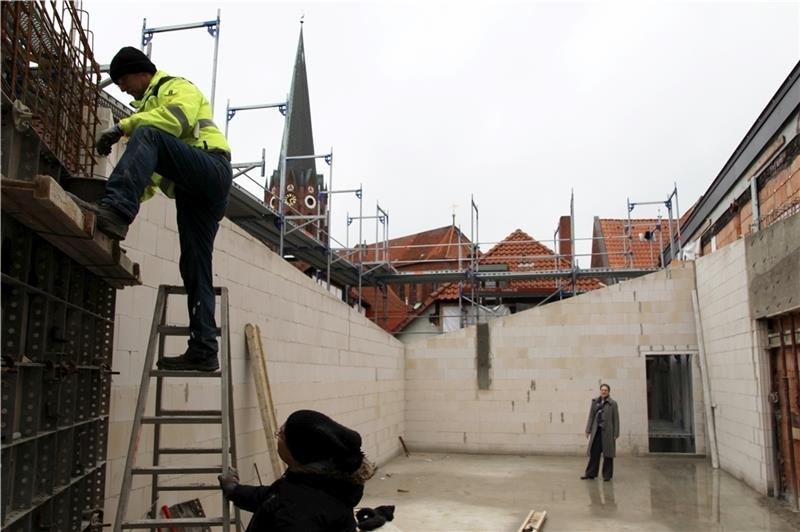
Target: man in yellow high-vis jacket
[(174, 146)]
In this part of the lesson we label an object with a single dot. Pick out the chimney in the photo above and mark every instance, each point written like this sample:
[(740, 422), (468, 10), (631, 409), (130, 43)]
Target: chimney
[(565, 238)]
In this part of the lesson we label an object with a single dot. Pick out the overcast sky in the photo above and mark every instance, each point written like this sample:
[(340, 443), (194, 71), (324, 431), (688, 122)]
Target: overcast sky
[(426, 104)]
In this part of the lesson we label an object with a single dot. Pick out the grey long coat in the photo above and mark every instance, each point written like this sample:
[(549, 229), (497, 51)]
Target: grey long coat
[(611, 432)]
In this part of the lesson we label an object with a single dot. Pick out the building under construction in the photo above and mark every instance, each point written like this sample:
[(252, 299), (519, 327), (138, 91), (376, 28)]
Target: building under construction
[(695, 324)]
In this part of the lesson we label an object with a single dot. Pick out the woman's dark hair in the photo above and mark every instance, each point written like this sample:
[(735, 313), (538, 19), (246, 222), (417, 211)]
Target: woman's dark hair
[(607, 386)]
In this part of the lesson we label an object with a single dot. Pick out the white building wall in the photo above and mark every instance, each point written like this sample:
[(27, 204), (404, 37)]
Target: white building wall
[(321, 354), (738, 366), (546, 365)]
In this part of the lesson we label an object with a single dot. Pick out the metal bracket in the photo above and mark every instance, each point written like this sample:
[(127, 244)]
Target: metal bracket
[(329, 159), (231, 114), (282, 109), (147, 37), (359, 193), (213, 29)]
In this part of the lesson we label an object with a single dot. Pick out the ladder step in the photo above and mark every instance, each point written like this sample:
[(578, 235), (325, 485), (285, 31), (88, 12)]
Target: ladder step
[(182, 420), (179, 522), (185, 374), (190, 487), (166, 412), (175, 470), (181, 291), (196, 450), (178, 330)]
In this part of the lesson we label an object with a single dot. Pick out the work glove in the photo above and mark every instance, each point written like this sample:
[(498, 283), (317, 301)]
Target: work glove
[(108, 138), (228, 482)]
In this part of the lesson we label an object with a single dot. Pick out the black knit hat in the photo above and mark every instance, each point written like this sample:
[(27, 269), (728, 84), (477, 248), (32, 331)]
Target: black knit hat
[(313, 437), (130, 60)]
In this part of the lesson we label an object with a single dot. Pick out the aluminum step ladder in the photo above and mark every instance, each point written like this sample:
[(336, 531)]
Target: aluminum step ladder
[(223, 417)]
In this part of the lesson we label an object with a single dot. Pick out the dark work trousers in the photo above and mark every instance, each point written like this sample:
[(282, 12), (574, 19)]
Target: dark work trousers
[(594, 458), (202, 184)]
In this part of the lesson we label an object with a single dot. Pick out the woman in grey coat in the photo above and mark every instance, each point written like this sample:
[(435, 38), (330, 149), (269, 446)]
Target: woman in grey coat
[(602, 431)]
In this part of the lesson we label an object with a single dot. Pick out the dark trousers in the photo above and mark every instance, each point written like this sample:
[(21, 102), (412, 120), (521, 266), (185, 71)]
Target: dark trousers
[(594, 458), (202, 183)]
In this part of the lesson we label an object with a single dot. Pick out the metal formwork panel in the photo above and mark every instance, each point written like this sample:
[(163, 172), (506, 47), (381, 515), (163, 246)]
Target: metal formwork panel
[(56, 383), (63, 469), (5, 488), (61, 511), (67, 396), (24, 473), (16, 254), (9, 401), (50, 390), (45, 466), (28, 411)]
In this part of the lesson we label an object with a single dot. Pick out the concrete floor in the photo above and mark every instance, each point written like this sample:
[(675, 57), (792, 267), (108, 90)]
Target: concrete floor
[(494, 494)]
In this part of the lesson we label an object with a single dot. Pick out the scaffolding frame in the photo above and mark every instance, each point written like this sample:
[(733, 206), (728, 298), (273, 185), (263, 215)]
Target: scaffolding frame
[(383, 270), (673, 241), (212, 26)]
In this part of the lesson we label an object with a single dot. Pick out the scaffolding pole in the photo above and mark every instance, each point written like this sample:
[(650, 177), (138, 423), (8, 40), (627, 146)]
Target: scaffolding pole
[(474, 225), (573, 260)]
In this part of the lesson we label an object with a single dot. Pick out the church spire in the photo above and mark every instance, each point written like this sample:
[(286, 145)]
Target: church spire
[(298, 136)]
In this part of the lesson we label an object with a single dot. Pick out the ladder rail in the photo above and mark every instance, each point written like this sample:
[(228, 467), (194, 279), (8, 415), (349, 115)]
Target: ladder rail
[(231, 416), (159, 412), (141, 403), (226, 400)]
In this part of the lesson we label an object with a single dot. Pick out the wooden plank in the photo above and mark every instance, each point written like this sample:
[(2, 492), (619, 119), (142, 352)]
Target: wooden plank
[(533, 522), (28, 202), (265, 403), (43, 206)]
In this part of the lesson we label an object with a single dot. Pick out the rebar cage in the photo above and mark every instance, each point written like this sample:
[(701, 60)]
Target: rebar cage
[(48, 65)]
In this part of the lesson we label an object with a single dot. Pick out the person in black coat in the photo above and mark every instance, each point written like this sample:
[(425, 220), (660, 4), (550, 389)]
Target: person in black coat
[(321, 487), (602, 431)]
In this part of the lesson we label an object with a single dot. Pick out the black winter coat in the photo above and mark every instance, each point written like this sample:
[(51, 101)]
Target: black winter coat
[(300, 502)]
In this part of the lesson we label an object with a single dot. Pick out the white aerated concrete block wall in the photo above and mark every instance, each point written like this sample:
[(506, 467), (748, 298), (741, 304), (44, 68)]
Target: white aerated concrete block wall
[(547, 363), (321, 354), (738, 366)]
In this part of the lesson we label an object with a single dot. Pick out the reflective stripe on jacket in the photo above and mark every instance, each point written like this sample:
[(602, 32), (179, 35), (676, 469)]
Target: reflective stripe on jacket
[(174, 105)]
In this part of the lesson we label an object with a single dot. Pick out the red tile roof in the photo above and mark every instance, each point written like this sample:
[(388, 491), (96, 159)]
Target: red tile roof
[(436, 244), (621, 249), (521, 253)]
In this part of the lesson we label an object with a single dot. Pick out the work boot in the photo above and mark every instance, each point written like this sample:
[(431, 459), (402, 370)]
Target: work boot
[(109, 220), (191, 360)]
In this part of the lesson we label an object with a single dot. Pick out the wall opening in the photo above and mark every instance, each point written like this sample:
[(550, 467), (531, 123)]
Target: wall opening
[(670, 416), (784, 346)]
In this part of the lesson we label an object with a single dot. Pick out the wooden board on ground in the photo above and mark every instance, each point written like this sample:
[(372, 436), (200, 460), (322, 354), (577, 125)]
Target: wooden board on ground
[(43, 206), (258, 361), (533, 522)]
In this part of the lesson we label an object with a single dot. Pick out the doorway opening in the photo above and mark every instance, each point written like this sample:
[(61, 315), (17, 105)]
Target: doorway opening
[(670, 413), (784, 347)]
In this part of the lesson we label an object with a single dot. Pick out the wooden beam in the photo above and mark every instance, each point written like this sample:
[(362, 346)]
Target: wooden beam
[(266, 406), (43, 206), (533, 522)]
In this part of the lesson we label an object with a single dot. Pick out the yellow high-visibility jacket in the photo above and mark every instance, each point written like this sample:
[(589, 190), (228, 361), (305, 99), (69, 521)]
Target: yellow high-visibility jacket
[(174, 105)]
